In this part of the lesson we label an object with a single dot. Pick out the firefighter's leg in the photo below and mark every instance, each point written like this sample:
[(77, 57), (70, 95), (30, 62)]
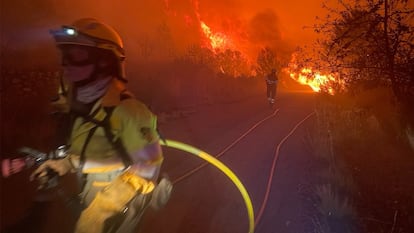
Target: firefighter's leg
[(268, 92), (129, 220), (132, 217), (111, 201), (95, 182), (272, 91)]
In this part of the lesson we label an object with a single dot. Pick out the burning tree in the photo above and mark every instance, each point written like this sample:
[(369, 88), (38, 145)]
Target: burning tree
[(266, 60)]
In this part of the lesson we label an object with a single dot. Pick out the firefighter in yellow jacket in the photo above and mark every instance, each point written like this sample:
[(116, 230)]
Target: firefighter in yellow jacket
[(113, 141)]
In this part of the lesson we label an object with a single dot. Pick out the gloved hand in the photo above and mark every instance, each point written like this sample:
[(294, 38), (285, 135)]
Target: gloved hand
[(60, 166), (111, 200)]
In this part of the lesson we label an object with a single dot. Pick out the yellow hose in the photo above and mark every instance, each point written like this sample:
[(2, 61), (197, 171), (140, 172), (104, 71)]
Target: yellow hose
[(223, 168)]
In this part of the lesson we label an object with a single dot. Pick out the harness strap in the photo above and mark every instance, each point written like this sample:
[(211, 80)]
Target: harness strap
[(106, 125), (85, 144), (118, 145), (88, 137)]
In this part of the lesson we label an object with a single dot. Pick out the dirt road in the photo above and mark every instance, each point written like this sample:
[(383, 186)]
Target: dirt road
[(207, 201)]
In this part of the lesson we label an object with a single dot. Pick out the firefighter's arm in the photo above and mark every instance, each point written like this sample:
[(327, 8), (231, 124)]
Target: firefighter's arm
[(59, 166)]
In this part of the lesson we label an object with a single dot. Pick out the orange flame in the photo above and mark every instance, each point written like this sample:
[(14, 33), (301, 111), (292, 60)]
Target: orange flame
[(315, 80), (217, 40)]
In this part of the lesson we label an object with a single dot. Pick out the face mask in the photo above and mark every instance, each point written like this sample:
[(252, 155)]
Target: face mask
[(91, 92), (78, 73)]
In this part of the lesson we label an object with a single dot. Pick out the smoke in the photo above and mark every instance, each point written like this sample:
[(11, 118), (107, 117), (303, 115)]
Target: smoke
[(264, 28), (157, 28)]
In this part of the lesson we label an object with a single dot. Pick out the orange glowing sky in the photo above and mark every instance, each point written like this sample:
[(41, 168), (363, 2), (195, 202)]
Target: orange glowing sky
[(292, 15), (250, 25), (282, 18)]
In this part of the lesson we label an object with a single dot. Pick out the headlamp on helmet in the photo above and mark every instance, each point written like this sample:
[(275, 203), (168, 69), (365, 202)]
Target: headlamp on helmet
[(93, 33), (64, 31), (70, 31)]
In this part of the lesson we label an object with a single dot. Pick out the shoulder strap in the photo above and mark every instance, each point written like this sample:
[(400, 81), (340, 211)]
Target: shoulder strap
[(87, 140), (118, 145), (88, 137), (106, 125)]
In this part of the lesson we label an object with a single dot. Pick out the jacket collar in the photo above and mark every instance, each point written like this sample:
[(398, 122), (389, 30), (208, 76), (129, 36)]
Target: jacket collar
[(111, 97)]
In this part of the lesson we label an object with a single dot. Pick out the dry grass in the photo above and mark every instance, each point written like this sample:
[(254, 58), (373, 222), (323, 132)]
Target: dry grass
[(332, 204), (334, 209), (368, 164)]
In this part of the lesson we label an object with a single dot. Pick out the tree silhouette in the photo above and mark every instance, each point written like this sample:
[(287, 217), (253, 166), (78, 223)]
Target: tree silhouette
[(267, 59), (370, 41)]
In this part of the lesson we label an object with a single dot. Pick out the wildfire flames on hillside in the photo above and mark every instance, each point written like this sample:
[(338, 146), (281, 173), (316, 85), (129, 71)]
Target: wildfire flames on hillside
[(306, 76), (236, 37), (315, 80), (220, 41), (217, 40)]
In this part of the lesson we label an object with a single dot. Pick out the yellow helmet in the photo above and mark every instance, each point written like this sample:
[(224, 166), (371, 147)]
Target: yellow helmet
[(93, 33)]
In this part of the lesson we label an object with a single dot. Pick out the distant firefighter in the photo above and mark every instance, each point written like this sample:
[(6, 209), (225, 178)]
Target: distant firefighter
[(271, 82)]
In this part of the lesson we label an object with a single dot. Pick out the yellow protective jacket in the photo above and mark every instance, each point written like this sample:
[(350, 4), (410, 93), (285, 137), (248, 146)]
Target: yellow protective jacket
[(131, 121)]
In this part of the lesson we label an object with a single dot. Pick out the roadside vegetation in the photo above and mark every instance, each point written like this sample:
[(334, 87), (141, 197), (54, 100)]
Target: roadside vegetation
[(365, 182), (363, 134)]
